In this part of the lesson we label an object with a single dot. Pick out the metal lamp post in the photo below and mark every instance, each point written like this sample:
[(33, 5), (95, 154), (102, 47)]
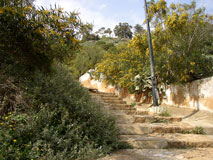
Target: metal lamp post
[(154, 82)]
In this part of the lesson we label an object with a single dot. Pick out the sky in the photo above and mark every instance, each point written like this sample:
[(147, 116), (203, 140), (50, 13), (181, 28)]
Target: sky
[(108, 13)]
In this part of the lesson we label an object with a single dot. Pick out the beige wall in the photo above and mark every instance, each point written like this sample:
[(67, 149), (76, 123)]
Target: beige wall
[(197, 95)]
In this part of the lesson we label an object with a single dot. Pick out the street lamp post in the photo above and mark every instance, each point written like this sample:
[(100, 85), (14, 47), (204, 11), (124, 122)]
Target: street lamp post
[(154, 82)]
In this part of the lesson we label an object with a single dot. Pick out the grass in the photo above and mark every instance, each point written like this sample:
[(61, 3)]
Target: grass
[(196, 130), (133, 104), (165, 113)]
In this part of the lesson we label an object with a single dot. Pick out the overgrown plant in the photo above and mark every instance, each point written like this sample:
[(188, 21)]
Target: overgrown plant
[(67, 126), (45, 113)]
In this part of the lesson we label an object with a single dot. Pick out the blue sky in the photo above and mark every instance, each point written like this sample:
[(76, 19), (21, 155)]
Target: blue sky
[(108, 13)]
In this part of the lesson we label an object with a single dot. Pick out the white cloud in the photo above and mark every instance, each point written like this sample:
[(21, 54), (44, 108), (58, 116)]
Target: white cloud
[(90, 11)]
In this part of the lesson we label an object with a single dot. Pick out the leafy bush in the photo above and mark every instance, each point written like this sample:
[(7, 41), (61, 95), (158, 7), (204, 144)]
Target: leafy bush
[(62, 123), (44, 112), (35, 38)]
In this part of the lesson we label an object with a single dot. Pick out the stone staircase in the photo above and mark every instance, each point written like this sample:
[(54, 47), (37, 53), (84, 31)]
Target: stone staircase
[(141, 130)]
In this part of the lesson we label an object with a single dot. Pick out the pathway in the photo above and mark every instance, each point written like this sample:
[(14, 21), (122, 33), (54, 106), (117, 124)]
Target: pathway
[(150, 137)]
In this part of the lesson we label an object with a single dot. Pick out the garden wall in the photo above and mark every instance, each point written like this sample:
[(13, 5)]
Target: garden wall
[(196, 95)]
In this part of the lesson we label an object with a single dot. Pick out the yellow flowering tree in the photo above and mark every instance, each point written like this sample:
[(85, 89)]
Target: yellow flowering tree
[(187, 38), (35, 38), (182, 37)]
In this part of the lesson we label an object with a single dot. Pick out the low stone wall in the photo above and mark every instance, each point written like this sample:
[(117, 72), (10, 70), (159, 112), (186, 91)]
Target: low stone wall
[(88, 82), (196, 95)]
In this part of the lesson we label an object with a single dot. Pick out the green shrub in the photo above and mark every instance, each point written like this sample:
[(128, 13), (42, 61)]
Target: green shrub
[(62, 123)]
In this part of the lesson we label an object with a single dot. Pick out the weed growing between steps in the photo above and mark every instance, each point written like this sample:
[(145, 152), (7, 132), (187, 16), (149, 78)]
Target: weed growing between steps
[(165, 113), (61, 122), (133, 104), (156, 120), (196, 130)]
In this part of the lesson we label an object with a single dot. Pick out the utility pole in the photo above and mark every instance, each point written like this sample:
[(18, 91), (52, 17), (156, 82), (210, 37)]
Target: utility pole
[(154, 82)]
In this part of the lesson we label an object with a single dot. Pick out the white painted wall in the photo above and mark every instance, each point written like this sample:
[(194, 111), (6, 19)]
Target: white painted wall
[(196, 95)]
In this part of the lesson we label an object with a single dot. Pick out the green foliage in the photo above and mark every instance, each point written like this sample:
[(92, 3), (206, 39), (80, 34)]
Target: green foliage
[(35, 38), (133, 104), (196, 130), (46, 116), (62, 122), (108, 31), (123, 30), (138, 29), (165, 113), (90, 54), (86, 59), (86, 32), (106, 46), (186, 38), (182, 39)]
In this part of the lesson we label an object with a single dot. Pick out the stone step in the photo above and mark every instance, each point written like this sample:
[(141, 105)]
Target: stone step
[(133, 111), (148, 128), (111, 98), (116, 105), (103, 94), (155, 119), (161, 154), (120, 107), (124, 118), (143, 142), (161, 141), (114, 101), (123, 109)]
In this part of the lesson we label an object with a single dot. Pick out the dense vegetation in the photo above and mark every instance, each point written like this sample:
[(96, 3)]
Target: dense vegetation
[(44, 112), (91, 53), (182, 38)]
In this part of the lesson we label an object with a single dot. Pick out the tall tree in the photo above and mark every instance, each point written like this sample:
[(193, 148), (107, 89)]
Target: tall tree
[(123, 30), (101, 30), (108, 31), (138, 29), (86, 33)]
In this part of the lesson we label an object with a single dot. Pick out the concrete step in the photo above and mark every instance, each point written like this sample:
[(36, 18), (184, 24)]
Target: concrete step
[(155, 119), (148, 128), (161, 141)]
